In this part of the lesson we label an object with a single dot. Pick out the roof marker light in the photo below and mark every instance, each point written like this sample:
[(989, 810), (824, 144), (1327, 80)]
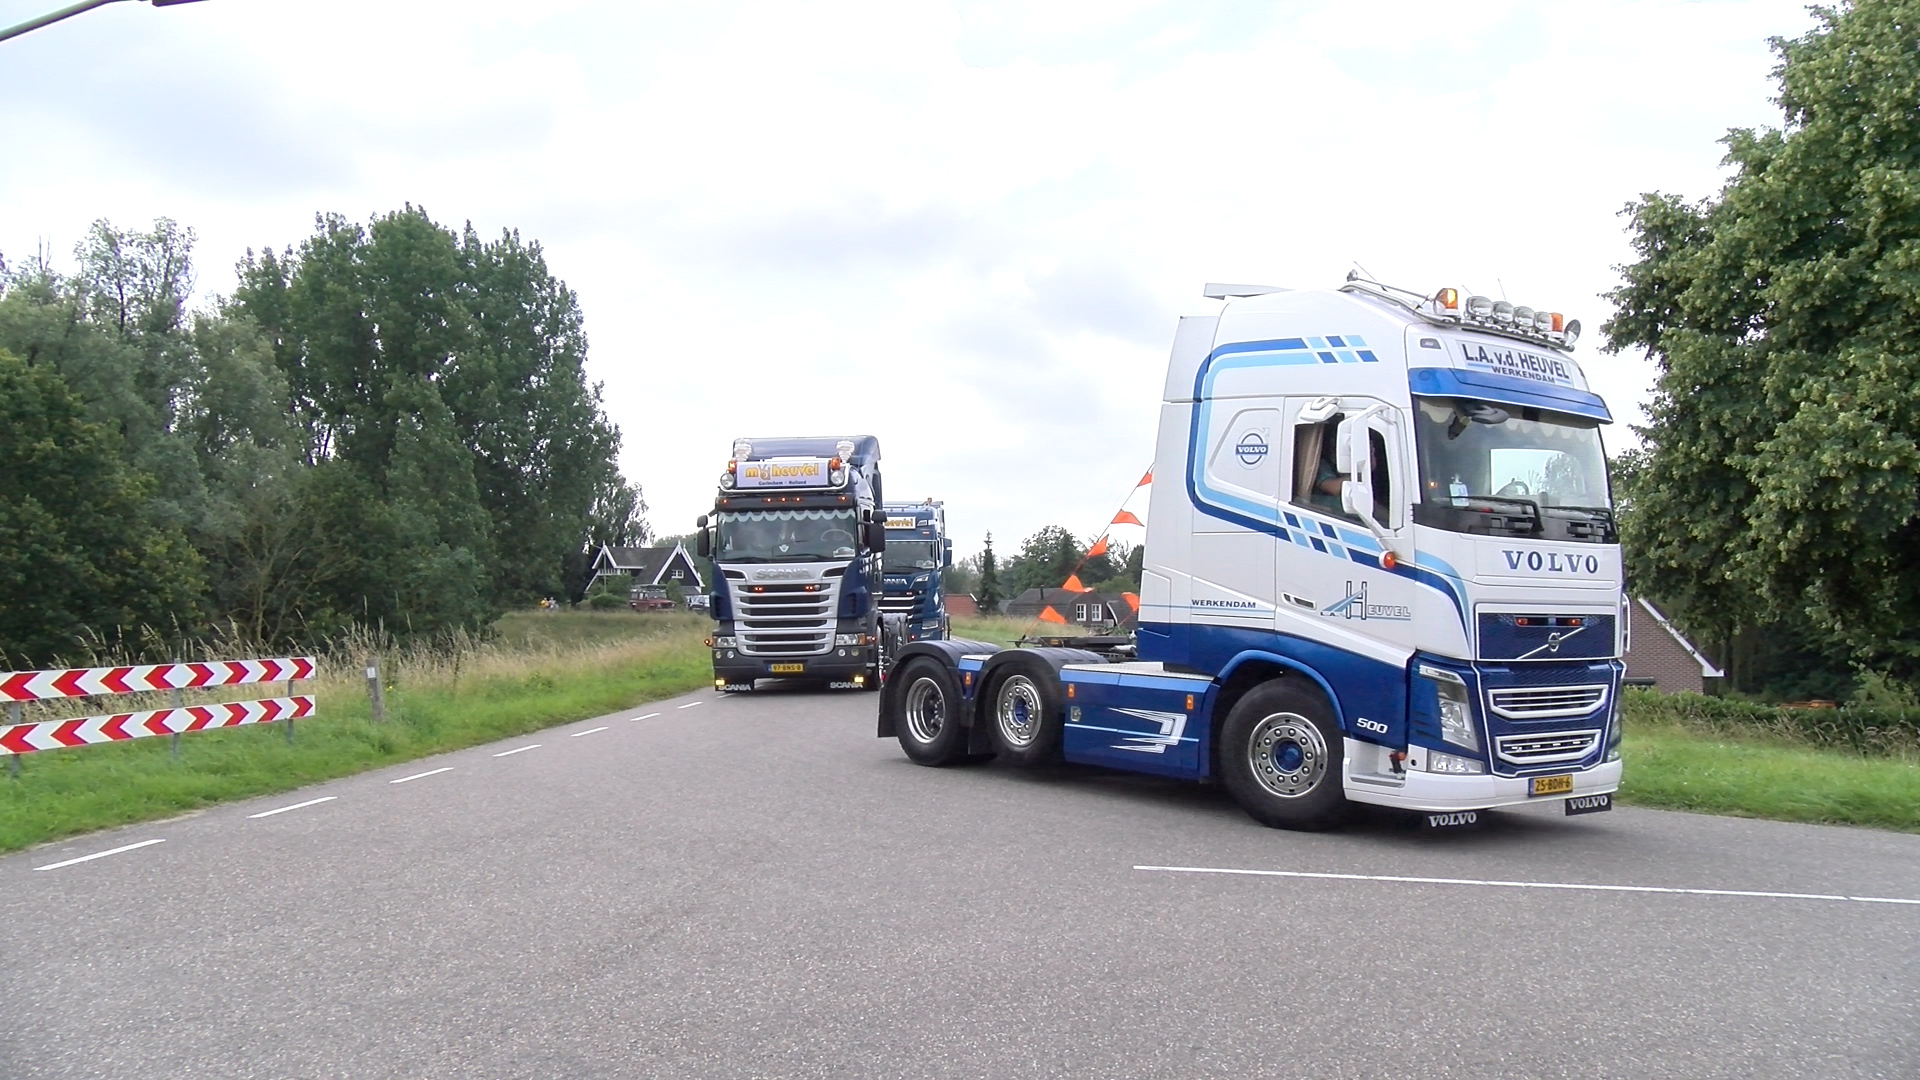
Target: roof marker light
[(1559, 322), (1447, 300)]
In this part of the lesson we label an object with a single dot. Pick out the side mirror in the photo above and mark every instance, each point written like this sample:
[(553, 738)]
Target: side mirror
[(876, 536), (946, 554), (703, 540), (1353, 455), (1356, 498)]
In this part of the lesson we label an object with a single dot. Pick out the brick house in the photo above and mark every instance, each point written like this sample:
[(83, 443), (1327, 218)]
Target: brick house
[(1089, 609), (650, 569), (962, 606), (1658, 651)]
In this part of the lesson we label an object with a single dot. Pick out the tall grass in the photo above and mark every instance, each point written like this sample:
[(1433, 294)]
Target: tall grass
[(538, 670)]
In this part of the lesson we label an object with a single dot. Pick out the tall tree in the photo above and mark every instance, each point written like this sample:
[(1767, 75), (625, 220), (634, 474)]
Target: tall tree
[(447, 374), (1045, 560), (78, 554), (990, 595), (1783, 474)]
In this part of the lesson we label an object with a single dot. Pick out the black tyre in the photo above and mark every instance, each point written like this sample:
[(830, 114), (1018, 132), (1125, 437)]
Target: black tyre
[(1280, 755), (1024, 716), (925, 701)]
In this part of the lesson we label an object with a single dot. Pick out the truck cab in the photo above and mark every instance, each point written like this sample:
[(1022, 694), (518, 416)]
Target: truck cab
[(917, 551), (1381, 566), (796, 543)]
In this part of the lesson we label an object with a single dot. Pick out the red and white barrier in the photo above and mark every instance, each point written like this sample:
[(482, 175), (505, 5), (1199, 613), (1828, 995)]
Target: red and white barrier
[(88, 682), (23, 738), (86, 730)]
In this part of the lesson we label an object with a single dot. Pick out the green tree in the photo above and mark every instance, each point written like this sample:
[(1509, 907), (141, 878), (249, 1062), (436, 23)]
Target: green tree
[(78, 554), (1782, 477), (1046, 559), (989, 595), (445, 374)]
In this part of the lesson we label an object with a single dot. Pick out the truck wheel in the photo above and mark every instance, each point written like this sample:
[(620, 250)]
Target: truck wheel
[(1280, 755), (927, 713), (1026, 717)]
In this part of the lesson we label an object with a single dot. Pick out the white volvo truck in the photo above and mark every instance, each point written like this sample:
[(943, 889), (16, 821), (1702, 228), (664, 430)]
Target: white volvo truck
[(1381, 567)]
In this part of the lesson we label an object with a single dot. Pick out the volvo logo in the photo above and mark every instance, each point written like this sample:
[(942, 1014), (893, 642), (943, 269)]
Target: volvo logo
[(1251, 449)]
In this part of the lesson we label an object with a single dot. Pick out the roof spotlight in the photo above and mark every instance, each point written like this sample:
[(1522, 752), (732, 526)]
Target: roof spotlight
[(1479, 307), (1503, 313), (1523, 318), (1543, 321), (742, 450)]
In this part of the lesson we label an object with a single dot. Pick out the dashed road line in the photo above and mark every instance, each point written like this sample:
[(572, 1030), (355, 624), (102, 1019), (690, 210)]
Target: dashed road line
[(690, 704), (1562, 885), (419, 775), (649, 716), (103, 854), (518, 750), (589, 731), (295, 806)]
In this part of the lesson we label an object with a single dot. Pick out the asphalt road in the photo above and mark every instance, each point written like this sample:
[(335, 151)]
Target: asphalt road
[(756, 886)]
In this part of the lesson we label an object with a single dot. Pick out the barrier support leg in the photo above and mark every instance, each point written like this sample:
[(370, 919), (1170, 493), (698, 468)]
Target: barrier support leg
[(14, 716), (289, 715), (179, 701)]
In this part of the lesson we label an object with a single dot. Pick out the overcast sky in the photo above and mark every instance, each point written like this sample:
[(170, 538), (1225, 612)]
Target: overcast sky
[(966, 228)]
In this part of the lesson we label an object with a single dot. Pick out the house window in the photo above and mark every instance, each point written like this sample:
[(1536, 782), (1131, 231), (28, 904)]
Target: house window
[(1096, 613), (678, 574), (1079, 613)]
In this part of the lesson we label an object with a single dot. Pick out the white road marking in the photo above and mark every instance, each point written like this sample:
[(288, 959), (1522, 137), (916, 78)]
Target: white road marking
[(1527, 884), (295, 806), (517, 750), (691, 704), (589, 731), (102, 854), (418, 775), (649, 716)]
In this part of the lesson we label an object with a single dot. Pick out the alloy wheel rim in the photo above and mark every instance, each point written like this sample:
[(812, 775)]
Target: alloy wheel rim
[(1288, 755), (1019, 711), (926, 709)]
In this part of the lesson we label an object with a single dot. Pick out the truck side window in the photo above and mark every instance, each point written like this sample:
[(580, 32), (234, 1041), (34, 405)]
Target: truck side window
[(1316, 477)]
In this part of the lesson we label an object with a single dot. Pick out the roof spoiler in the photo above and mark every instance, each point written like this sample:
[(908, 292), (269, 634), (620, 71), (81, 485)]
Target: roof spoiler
[(1216, 291)]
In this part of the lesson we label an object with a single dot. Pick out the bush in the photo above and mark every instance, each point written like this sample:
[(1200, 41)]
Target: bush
[(606, 601), (1863, 729)]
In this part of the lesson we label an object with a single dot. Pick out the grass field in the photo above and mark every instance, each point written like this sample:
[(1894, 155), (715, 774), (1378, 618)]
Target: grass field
[(542, 669)]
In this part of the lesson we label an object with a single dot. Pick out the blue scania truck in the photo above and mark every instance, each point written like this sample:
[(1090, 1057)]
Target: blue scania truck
[(1381, 567), (796, 540), (917, 551)]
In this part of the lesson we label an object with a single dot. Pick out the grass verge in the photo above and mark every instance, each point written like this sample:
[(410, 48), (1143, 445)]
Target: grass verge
[(542, 670), (1675, 767)]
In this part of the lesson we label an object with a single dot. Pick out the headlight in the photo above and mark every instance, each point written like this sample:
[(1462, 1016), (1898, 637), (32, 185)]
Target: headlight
[(1453, 764), (723, 643), (1616, 729), (849, 639), (726, 479), (1456, 710)]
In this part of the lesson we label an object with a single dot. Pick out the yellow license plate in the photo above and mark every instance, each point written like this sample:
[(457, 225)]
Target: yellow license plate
[(800, 669), (1552, 785)]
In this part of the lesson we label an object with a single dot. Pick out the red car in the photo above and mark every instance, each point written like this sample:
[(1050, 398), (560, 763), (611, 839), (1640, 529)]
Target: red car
[(650, 603)]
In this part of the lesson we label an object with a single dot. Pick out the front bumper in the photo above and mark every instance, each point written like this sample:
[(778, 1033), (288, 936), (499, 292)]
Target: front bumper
[(829, 667), (1436, 791)]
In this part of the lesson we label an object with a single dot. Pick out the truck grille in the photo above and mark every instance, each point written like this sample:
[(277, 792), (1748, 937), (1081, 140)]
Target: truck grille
[(902, 604), (1546, 702), (1524, 750), (787, 618)]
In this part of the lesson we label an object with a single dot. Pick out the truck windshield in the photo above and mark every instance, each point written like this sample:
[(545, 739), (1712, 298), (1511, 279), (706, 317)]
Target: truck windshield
[(785, 536), (907, 556), (1488, 468)]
